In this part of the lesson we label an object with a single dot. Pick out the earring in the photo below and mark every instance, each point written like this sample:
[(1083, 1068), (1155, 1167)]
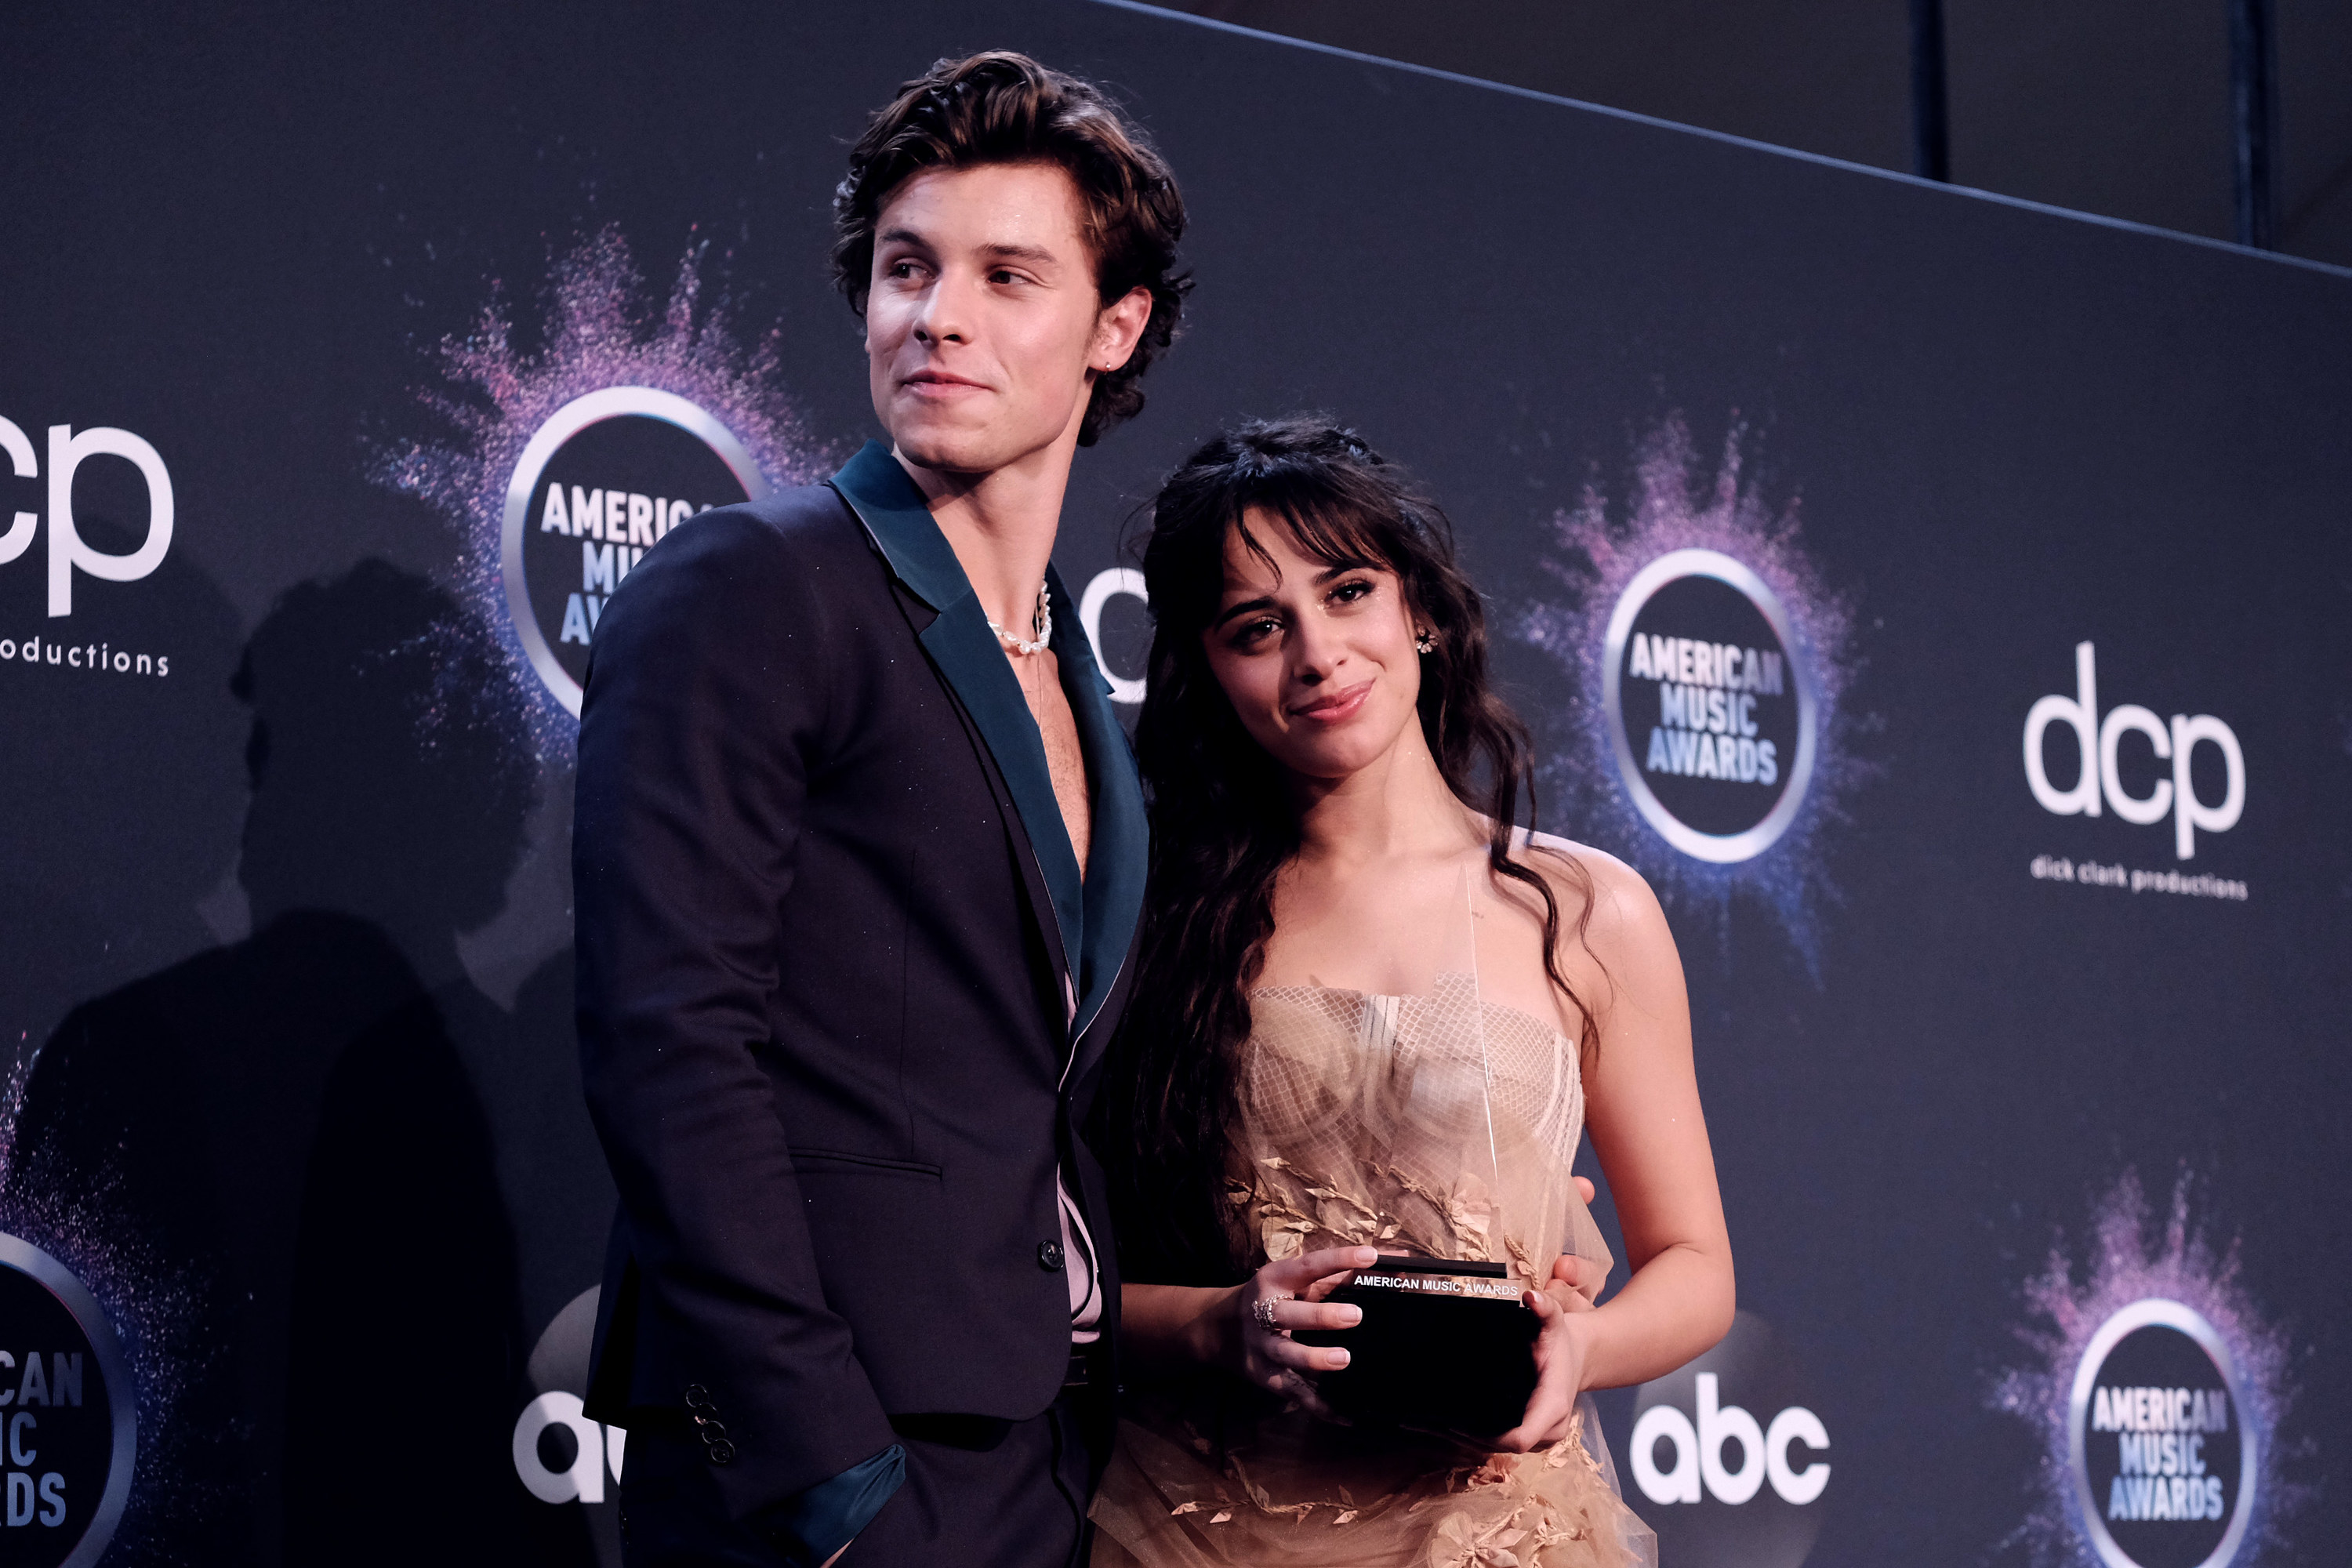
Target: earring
[(1427, 642)]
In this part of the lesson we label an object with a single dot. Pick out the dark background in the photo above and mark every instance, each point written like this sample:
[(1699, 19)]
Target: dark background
[(319, 1090), (2115, 106)]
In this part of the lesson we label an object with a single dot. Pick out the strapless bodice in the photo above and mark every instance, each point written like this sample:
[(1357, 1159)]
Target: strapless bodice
[(1441, 1124)]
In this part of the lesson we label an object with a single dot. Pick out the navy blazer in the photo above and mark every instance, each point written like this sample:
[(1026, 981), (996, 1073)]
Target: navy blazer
[(831, 931)]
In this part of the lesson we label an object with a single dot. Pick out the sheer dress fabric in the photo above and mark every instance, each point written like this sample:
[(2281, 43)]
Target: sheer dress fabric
[(1436, 1125)]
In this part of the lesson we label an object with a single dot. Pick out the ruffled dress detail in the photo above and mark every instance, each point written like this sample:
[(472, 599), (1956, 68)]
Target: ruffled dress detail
[(1434, 1124)]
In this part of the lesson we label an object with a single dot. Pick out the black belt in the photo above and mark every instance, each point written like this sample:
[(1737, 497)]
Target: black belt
[(1089, 1366)]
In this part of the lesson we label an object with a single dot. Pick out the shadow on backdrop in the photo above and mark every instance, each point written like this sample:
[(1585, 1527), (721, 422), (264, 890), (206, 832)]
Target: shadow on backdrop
[(119, 790), (293, 1115)]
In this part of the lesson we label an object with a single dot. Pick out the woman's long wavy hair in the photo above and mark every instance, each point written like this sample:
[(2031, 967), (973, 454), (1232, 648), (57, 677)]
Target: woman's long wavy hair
[(1222, 821)]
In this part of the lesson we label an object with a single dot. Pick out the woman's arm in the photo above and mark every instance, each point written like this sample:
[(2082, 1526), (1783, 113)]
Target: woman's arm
[(1643, 1114), (1167, 1329)]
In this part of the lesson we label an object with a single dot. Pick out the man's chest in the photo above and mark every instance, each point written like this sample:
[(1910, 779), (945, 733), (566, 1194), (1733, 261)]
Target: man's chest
[(1066, 757)]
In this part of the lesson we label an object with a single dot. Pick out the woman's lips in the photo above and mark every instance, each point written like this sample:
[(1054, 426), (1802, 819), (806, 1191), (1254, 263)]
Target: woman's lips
[(1337, 708)]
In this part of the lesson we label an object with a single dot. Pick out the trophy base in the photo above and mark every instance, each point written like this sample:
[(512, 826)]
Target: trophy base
[(1444, 1344)]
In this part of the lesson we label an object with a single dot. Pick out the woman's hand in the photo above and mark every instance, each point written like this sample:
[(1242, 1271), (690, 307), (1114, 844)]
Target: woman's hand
[(1559, 1352), (1287, 1294), (1575, 1281)]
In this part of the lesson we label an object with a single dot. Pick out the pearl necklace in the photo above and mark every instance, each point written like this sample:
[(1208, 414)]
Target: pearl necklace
[(1041, 624)]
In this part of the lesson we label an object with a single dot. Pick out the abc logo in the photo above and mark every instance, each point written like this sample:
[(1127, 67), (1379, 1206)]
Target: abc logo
[(2099, 743), (68, 551), (1728, 1460), (559, 1454)]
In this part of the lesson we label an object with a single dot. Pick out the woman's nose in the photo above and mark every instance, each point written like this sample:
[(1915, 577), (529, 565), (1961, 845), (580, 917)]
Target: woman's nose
[(1315, 654)]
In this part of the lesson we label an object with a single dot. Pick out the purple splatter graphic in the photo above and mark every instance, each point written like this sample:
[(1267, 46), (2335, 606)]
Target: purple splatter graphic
[(599, 333), (2130, 1260), (1677, 505)]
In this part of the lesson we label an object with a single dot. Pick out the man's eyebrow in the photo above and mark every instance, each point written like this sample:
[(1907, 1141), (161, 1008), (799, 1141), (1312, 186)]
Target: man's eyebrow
[(1037, 255), (1019, 253)]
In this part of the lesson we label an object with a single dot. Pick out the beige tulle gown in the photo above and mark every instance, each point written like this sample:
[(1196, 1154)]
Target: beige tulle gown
[(1434, 1123)]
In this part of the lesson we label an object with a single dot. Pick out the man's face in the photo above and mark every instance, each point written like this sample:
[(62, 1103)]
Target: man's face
[(985, 325)]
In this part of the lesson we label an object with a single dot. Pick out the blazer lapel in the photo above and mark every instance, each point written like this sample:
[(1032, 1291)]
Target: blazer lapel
[(966, 652), (1116, 857)]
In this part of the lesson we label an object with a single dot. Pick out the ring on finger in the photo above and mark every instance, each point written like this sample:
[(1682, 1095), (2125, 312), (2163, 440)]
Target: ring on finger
[(1263, 1310)]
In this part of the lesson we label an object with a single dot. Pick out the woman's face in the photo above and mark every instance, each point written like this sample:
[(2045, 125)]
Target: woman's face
[(1318, 660)]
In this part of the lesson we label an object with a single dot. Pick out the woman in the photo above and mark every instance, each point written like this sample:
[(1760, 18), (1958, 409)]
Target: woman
[(1331, 914)]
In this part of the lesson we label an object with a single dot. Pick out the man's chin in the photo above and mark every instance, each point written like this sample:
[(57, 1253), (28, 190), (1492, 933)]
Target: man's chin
[(959, 452), (954, 441), (946, 455)]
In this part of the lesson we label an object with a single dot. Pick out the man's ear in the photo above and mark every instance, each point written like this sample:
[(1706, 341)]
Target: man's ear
[(1118, 329)]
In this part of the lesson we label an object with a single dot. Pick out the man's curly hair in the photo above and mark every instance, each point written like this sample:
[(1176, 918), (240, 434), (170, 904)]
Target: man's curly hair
[(1005, 108)]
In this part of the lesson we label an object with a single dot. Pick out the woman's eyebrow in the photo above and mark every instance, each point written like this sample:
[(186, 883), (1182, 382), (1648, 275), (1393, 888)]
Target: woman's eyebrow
[(1265, 601)]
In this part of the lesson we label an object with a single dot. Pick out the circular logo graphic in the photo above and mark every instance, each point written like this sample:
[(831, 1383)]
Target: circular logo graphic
[(68, 1415), (607, 476), (561, 1456), (1709, 709), (1728, 1460), (2157, 1437)]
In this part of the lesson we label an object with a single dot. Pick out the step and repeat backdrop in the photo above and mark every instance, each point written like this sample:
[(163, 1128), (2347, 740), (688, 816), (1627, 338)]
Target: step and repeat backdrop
[(1942, 602)]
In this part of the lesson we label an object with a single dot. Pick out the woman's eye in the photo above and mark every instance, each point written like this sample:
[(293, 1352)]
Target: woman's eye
[(1250, 633), (1349, 592)]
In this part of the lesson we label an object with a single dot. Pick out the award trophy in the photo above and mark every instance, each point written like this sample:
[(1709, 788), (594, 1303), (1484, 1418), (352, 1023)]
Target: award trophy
[(1444, 1344)]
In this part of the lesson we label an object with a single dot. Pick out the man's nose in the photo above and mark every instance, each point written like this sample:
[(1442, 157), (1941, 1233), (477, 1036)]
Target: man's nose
[(946, 313)]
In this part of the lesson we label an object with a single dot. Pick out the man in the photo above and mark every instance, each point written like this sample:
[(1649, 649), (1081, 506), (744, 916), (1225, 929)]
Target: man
[(858, 857)]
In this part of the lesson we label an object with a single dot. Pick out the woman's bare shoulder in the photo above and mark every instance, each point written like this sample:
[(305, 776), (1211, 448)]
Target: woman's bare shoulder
[(1626, 915)]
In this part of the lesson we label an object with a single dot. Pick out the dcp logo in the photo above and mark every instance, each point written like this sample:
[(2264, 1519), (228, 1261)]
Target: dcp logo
[(1731, 1455), (2099, 746), (605, 477), (1710, 714), (2163, 1458), (68, 553), (68, 1415)]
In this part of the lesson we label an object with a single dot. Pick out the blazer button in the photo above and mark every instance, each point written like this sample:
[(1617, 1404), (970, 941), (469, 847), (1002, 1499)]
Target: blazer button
[(1049, 1257)]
